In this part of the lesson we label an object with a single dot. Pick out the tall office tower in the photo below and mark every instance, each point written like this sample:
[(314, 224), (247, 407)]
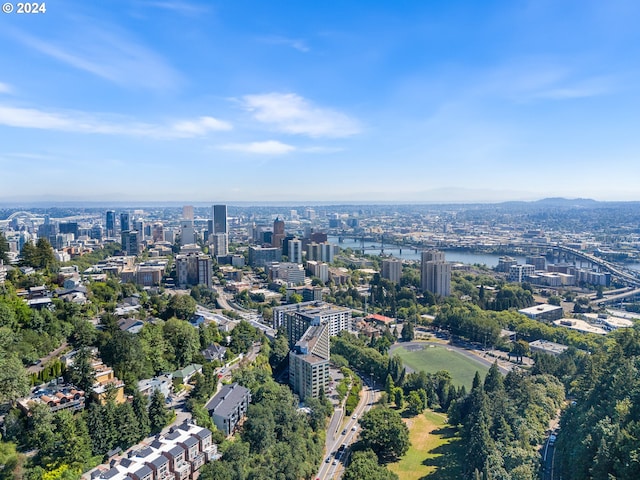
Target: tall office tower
[(130, 242), (187, 232), (69, 227), (392, 269), (310, 213), (278, 233), (111, 223), (138, 225), (435, 273), (295, 251), (125, 224), (220, 219), (187, 212), (219, 242)]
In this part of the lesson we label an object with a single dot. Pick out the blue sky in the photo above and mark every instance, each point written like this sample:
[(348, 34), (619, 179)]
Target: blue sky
[(171, 100)]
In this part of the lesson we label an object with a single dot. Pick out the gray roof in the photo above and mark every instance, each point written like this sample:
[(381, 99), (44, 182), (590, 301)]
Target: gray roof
[(213, 352), (202, 434), (175, 451), (172, 435), (143, 471), (111, 473), (227, 399), (190, 441), (159, 461), (144, 452)]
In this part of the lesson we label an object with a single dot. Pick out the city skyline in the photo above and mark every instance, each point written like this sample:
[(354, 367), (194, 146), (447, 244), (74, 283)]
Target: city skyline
[(143, 101)]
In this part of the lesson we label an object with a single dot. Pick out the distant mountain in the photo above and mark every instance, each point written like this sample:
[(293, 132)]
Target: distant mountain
[(563, 202)]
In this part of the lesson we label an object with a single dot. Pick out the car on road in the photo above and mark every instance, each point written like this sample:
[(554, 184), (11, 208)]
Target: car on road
[(335, 462), (354, 428), (552, 440), (328, 459), (344, 432), (354, 416)]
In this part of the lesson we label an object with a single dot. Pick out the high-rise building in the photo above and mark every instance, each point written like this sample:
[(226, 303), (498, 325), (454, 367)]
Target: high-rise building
[(392, 269), (130, 242), (220, 219), (278, 233), (187, 232), (435, 273), (194, 269), (323, 252), (111, 223), (125, 223), (309, 363), (187, 212), (261, 256), (69, 227), (219, 243), (295, 251), (314, 313)]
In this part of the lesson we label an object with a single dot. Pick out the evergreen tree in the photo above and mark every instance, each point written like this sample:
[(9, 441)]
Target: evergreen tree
[(159, 416), (128, 426), (141, 409)]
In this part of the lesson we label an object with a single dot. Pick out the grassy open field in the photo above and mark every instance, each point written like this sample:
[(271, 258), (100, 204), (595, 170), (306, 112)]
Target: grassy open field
[(434, 358), (434, 450)]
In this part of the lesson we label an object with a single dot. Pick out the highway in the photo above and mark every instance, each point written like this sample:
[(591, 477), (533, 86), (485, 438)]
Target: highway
[(334, 468)]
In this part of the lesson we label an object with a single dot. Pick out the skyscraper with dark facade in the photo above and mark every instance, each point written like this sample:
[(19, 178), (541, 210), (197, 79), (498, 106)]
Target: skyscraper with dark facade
[(125, 222), (219, 219), (111, 223)]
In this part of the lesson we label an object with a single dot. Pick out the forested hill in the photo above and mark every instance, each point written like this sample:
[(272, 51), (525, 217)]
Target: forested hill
[(601, 429)]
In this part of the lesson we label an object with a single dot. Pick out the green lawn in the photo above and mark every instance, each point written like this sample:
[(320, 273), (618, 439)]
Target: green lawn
[(434, 358), (434, 450)]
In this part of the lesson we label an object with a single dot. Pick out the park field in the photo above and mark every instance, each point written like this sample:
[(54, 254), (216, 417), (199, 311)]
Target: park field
[(434, 450), (432, 358)]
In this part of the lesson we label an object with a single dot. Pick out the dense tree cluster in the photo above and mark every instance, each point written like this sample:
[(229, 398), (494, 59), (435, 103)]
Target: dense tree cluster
[(277, 440), (600, 430), (384, 433), (504, 422)]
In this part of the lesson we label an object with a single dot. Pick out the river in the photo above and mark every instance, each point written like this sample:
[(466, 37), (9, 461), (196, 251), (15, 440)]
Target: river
[(407, 253)]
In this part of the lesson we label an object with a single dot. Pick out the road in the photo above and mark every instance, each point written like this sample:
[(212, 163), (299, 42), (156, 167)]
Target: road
[(474, 355), (548, 457), (334, 468), (44, 360), (250, 316)]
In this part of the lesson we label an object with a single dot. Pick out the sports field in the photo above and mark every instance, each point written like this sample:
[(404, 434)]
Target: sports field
[(432, 358)]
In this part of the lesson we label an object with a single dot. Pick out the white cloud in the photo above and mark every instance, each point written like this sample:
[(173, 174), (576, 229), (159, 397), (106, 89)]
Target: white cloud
[(290, 113), (201, 126), (184, 8), (294, 43), (5, 88), (269, 147), (108, 54), (81, 122)]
